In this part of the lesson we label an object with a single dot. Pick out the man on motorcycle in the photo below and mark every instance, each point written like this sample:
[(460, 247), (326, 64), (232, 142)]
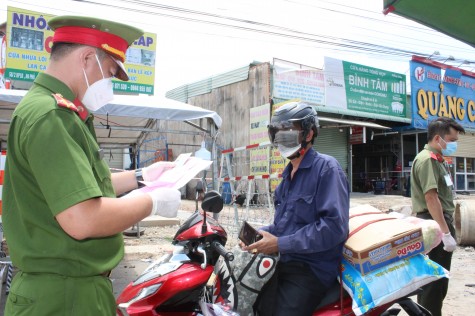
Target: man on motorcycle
[(311, 217)]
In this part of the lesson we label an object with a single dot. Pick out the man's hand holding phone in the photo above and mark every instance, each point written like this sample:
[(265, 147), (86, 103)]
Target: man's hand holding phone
[(248, 234), (262, 241)]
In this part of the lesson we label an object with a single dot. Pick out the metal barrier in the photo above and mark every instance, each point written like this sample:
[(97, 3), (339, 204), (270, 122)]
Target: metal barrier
[(251, 196)]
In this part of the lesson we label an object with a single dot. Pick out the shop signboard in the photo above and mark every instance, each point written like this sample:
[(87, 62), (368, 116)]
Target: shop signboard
[(357, 135), (29, 45), (305, 84), (350, 86), (438, 92), (3, 61), (259, 119), (277, 166)]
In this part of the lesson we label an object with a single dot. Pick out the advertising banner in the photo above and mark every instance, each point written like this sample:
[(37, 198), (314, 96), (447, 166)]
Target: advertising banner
[(259, 119), (277, 165), (277, 162), (441, 93), (305, 84), (29, 46), (3, 61), (364, 89)]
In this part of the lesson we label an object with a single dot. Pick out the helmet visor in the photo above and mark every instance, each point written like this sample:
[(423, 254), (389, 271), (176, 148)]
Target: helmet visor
[(287, 139), (284, 133)]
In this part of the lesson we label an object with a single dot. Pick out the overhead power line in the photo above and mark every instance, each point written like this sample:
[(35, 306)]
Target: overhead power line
[(254, 27), (259, 27), (267, 29)]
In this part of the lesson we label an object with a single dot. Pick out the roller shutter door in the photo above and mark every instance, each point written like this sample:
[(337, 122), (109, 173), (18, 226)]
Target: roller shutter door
[(332, 142), (466, 146)]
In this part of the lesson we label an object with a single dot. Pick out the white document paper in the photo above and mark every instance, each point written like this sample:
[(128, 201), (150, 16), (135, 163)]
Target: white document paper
[(186, 168)]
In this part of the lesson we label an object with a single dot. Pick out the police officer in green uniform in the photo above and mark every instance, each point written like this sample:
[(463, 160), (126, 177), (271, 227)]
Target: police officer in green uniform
[(62, 220), (432, 198)]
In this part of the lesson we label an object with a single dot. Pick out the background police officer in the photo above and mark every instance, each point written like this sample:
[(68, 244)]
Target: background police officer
[(432, 198)]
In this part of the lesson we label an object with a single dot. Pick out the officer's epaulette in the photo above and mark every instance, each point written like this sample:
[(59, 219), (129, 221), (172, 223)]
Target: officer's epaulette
[(62, 102), (437, 157)]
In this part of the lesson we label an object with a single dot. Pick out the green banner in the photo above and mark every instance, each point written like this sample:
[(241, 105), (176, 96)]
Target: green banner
[(355, 87), (374, 90), (19, 74), (133, 87)]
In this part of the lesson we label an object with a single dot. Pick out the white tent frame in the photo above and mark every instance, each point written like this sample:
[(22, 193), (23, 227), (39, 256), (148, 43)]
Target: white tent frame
[(127, 107)]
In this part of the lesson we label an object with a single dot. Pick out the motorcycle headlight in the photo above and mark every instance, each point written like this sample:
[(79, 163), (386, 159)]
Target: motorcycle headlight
[(156, 271), (145, 292)]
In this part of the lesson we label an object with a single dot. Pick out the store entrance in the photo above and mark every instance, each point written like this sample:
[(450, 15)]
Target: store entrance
[(376, 166)]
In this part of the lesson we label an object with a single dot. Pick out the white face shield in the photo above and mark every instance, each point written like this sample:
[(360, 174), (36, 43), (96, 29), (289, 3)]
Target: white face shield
[(287, 138), (287, 141)]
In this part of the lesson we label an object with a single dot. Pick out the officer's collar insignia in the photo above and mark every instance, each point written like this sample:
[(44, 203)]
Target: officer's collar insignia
[(64, 103), (82, 111), (75, 106), (437, 157)]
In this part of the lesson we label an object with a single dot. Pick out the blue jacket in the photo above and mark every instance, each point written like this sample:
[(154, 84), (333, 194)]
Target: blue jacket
[(312, 214)]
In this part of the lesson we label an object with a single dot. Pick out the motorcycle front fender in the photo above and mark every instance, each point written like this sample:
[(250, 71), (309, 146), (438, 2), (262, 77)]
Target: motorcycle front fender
[(177, 290)]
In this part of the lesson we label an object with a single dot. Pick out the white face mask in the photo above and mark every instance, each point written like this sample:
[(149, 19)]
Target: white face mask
[(287, 151), (99, 93)]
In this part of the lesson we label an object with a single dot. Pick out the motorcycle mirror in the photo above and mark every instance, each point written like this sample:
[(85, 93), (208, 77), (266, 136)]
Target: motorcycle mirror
[(212, 202)]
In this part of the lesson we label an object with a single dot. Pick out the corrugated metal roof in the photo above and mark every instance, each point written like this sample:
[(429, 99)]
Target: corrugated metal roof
[(183, 93)]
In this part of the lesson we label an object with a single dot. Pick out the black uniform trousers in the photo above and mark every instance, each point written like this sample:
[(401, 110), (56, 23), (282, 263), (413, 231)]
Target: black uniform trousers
[(433, 294)]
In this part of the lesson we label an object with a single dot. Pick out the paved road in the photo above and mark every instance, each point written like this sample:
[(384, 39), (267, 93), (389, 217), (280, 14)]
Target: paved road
[(130, 267)]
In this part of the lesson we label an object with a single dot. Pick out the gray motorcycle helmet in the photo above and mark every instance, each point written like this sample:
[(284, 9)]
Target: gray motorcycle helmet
[(294, 115)]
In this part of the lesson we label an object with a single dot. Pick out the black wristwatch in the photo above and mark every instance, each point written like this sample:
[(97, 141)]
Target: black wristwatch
[(139, 175)]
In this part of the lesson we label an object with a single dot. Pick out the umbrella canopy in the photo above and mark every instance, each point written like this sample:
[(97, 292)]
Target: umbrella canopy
[(454, 17)]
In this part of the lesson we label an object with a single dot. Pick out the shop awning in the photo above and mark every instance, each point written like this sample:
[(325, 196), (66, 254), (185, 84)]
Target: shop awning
[(351, 122), (454, 17)]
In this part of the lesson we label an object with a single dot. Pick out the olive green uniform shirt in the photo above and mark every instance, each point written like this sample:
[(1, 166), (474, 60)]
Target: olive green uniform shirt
[(429, 173), (53, 162)]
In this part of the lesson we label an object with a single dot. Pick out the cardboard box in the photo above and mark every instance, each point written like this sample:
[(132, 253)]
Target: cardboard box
[(380, 239)]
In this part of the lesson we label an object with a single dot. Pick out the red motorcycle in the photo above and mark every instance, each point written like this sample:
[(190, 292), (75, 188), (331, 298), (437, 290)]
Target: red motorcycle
[(179, 283)]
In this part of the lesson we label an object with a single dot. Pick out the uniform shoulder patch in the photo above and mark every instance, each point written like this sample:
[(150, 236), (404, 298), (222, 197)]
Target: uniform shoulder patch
[(64, 103), (437, 157)]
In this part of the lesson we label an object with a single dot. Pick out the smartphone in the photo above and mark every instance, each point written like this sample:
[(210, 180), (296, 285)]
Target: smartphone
[(248, 235)]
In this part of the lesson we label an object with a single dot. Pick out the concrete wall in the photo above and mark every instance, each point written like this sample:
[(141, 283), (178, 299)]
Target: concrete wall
[(232, 103)]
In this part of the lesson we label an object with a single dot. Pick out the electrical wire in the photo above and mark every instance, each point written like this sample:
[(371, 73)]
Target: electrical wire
[(329, 43), (299, 35), (303, 36), (423, 30)]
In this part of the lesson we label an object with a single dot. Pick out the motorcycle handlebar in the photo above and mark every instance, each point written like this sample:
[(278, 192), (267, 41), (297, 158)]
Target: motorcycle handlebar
[(228, 256)]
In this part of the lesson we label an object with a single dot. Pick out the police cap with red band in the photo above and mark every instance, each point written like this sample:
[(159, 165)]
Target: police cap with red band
[(112, 37)]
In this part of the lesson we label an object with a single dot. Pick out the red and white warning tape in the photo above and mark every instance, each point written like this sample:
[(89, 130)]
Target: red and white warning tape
[(261, 176), (230, 150)]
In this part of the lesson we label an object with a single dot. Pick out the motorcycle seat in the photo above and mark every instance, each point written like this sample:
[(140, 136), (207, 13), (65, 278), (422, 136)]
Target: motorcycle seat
[(332, 295)]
